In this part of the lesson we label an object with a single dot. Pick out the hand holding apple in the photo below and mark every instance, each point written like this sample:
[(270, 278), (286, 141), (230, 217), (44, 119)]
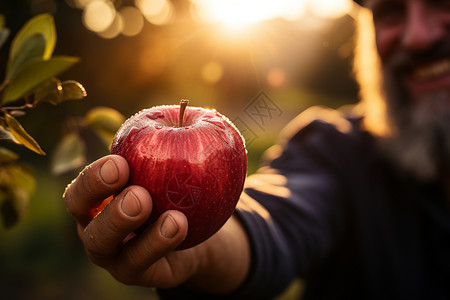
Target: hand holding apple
[(219, 265), (190, 159)]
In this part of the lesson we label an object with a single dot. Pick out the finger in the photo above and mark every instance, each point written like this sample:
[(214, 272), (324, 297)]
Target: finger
[(105, 234), (104, 177), (143, 251)]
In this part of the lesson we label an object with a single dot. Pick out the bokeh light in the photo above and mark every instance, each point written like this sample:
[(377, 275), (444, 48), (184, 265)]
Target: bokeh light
[(114, 29), (276, 77), (81, 3), (98, 15), (157, 12), (151, 7), (212, 72), (109, 18), (133, 21)]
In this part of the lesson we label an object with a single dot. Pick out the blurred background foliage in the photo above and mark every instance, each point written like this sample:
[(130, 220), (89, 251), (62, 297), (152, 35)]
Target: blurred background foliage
[(258, 62), (30, 80)]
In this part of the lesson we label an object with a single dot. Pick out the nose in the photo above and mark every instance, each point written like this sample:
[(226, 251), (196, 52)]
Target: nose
[(423, 27)]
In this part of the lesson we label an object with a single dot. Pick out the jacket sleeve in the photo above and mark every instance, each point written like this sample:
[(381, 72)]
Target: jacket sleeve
[(291, 212)]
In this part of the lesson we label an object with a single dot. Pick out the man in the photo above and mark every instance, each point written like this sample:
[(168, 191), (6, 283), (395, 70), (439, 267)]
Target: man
[(357, 206)]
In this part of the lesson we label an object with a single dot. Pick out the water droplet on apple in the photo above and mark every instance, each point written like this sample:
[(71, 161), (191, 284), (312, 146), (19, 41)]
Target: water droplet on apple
[(215, 121), (158, 126), (153, 115), (133, 132)]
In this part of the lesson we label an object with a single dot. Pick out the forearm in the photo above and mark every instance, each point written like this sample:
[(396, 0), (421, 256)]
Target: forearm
[(225, 260)]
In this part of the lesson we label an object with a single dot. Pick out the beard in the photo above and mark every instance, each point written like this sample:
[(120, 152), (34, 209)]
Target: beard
[(420, 143)]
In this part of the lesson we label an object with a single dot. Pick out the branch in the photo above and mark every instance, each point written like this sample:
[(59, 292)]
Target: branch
[(25, 106), (4, 84)]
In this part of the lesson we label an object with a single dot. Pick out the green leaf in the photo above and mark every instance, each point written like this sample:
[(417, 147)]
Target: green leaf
[(105, 118), (55, 91), (34, 74), (22, 178), (7, 156), (72, 90), (33, 48), (69, 154), (5, 134), (16, 186), (4, 34), (49, 91), (105, 122), (21, 135), (44, 25)]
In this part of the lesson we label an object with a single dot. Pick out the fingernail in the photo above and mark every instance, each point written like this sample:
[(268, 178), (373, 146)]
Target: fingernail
[(130, 205), (109, 172), (169, 228)]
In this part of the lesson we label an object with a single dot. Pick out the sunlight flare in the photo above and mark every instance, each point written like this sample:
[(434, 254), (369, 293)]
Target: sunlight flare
[(236, 13)]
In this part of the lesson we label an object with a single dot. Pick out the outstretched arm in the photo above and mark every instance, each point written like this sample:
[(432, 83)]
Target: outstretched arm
[(219, 265)]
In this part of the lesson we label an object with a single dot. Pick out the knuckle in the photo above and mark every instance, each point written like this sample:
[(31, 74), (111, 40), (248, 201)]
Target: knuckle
[(93, 244), (97, 259), (94, 240), (127, 278), (133, 262), (127, 273), (97, 254)]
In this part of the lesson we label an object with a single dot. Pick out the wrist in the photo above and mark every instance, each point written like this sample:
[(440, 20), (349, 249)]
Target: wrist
[(223, 260)]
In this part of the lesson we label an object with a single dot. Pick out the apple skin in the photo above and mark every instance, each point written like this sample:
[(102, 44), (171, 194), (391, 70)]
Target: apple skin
[(198, 168)]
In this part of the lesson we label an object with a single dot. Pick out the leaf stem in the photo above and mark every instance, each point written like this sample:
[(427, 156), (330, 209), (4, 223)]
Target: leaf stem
[(183, 105), (4, 84), (25, 106)]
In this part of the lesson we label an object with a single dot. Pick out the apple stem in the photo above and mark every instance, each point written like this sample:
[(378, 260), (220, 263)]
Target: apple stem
[(183, 105)]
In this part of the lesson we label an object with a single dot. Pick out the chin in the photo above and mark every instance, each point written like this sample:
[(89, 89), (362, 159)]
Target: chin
[(421, 143)]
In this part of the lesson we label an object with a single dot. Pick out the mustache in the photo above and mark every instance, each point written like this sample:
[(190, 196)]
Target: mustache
[(406, 60)]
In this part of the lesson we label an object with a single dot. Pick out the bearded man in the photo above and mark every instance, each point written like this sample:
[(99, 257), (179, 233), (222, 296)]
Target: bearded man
[(356, 202)]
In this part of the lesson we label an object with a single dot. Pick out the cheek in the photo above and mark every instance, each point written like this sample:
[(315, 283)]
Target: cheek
[(387, 40)]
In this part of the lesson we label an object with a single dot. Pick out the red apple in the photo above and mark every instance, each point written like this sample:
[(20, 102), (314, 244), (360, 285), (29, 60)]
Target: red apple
[(190, 159)]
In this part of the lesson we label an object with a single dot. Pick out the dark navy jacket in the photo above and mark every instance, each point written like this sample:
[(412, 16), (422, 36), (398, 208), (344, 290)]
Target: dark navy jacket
[(329, 208)]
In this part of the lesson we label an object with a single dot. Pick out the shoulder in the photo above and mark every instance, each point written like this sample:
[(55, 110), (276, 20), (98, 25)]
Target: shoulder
[(322, 133), (316, 120)]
